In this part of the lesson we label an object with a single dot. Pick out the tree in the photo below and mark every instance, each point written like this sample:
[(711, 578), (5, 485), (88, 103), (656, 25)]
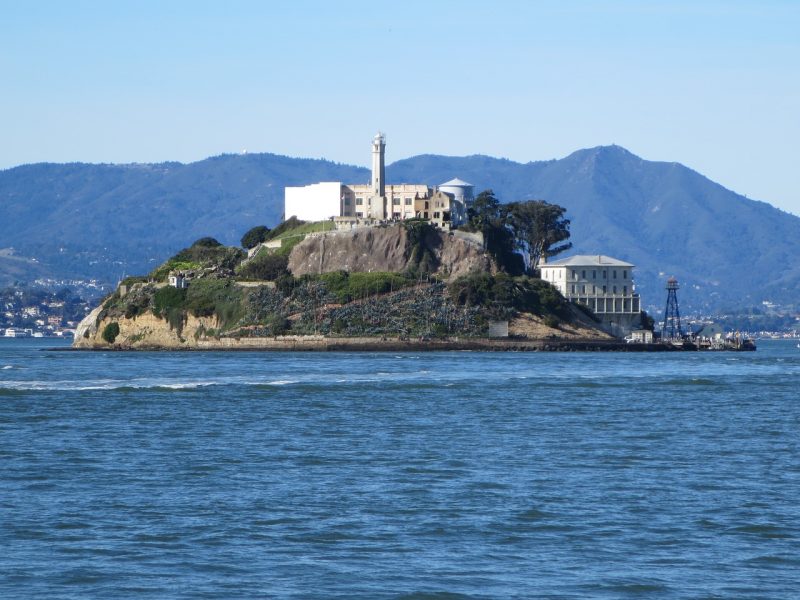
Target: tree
[(539, 228), (484, 211), (255, 236), (206, 242)]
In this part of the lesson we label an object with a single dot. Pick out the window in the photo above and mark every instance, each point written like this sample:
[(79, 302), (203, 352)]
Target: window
[(408, 201), (574, 274), (396, 201), (583, 274), (615, 289), (615, 273), (425, 214), (583, 289), (573, 288), (625, 290), (395, 215), (346, 201), (436, 215), (604, 289), (594, 274), (360, 215), (426, 208), (359, 201), (605, 274)]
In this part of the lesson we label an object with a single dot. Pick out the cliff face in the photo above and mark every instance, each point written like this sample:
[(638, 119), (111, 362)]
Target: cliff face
[(384, 249), (143, 331)]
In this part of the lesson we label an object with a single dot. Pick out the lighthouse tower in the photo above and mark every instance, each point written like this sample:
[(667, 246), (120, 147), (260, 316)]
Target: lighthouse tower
[(378, 200)]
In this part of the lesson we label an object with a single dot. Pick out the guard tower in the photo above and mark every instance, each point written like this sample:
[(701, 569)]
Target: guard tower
[(671, 329)]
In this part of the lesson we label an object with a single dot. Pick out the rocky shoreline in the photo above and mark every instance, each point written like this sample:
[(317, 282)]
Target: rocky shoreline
[(334, 344)]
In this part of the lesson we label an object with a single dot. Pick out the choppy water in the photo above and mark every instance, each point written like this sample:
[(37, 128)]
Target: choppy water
[(444, 475)]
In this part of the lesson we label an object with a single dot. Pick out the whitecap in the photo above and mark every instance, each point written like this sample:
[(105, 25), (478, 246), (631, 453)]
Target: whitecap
[(281, 382), (5, 367)]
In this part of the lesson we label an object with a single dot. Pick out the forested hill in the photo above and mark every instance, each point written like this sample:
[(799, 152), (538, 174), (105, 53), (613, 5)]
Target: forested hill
[(108, 220)]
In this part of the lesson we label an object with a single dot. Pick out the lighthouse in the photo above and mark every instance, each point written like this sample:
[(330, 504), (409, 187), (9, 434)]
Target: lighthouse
[(377, 202)]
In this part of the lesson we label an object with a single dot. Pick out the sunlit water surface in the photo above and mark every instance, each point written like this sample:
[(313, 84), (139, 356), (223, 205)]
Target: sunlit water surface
[(452, 475)]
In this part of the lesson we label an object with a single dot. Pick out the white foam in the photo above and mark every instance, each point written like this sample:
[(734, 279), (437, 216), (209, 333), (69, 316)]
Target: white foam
[(5, 367)]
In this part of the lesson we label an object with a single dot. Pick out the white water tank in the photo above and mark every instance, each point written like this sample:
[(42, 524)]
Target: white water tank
[(460, 190)]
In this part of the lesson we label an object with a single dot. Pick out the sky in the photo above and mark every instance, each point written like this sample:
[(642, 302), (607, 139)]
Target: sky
[(714, 85)]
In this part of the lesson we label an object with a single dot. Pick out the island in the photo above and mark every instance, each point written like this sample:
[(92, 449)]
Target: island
[(311, 286)]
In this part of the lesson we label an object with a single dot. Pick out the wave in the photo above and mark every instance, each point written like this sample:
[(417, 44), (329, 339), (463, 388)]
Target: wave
[(6, 367), (16, 387)]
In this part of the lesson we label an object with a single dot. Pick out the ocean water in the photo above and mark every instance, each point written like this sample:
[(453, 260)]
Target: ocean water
[(441, 475)]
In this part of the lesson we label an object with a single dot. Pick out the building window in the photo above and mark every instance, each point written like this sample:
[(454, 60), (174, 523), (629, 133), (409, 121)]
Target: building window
[(604, 289), (624, 274), (347, 201), (583, 289), (360, 215), (605, 274), (359, 201), (625, 290), (396, 215), (615, 273), (425, 214), (573, 288), (408, 201), (396, 201), (615, 289), (583, 274), (574, 275), (426, 208), (436, 215), (594, 274)]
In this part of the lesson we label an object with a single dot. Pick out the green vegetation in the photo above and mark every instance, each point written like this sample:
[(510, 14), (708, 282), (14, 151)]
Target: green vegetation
[(534, 228), (422, 237), (346, 287), (223, 298), (255, 236), (110, 332), (504, 295), (206, 242), (168, 303), (265, 265), (205, 254)]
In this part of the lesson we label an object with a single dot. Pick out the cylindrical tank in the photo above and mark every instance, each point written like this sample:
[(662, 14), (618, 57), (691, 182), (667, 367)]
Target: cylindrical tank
[(459, 190)]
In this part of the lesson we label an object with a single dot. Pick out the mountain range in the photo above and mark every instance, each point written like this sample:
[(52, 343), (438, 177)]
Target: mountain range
[(103, 221)]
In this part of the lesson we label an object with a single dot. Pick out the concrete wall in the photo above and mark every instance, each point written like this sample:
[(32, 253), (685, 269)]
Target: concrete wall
[(315, 202)]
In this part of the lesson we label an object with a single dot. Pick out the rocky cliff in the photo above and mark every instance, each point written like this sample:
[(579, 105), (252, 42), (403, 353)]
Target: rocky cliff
[(386, 249)]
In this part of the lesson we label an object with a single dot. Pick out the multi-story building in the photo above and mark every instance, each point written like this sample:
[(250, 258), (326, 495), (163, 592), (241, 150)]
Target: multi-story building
[(603, 284), (377, 201)]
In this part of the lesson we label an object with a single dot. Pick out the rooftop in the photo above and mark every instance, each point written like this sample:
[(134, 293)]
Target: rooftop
[(588, 260), (457, 183)]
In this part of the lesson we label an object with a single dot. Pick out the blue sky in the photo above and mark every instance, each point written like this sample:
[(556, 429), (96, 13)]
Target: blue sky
[(711, 84)]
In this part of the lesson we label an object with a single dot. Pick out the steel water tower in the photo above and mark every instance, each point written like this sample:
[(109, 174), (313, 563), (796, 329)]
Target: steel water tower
[(671, 329)]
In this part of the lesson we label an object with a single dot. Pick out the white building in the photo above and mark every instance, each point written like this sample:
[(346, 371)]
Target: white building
[(603, 284), (378, 201)]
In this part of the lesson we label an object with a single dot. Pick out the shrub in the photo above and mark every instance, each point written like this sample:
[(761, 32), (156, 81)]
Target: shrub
[(266, 265), (207, 297), (206, 242), (551, 321), (110, 332), (352, 286), (255, 236), (168, 303)]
